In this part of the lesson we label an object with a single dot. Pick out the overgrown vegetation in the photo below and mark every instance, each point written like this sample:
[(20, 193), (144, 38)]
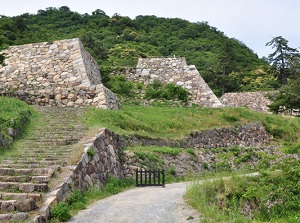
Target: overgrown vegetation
[(272, 196), (79, 200), (226, 64), (176, 123), (169, 91), (13, 114)]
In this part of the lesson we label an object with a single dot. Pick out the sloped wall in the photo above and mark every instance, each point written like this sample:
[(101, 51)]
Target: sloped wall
[(60, 73), (175, 70)]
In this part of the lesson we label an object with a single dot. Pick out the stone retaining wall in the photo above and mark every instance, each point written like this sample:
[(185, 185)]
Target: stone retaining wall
[(60, 73), (175, 70), (103, 156), (257, 101)]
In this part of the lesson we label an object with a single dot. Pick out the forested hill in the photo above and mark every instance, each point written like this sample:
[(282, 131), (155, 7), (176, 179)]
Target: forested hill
[(225, 63)]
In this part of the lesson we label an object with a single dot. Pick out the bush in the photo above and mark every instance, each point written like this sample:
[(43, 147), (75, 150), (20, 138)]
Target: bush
[(61, 212), (170, 91), (119, 85)]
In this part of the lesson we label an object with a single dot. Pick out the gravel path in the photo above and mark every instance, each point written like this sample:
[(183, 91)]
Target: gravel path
[(141, 205)]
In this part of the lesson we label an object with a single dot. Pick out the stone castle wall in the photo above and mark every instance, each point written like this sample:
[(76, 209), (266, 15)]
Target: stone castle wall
[(257, 101), (175, 70), (60, 73)]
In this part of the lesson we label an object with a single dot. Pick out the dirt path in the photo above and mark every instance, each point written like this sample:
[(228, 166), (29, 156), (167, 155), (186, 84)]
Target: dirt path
[(142, 205)]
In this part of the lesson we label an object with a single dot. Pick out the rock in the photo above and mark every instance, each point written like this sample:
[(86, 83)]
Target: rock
[(8, 206), (26, 205), (19, 217)]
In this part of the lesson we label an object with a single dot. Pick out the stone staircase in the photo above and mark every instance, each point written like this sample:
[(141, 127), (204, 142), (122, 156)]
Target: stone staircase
[(28, 172)]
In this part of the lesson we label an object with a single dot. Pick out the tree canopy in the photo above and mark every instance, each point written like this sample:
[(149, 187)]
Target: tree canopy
[(284, 60), (117, 41)]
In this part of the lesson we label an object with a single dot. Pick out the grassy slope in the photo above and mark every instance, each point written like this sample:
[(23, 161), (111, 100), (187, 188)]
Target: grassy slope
[(168, 122), (12, 113)]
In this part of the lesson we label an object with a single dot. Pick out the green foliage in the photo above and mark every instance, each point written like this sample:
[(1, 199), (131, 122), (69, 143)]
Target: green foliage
[(115, 185), (119, 85), (61, 212), (292, 149), (285, 60), (176, 123), (118, 41), (13, 113), (288, 97), (91, 152), (170, 91), (272, 196), (230, 118)]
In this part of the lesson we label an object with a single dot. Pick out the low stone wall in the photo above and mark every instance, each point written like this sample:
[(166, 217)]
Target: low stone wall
[(253, 134), (198, 160), (103, 156), (257, 101)]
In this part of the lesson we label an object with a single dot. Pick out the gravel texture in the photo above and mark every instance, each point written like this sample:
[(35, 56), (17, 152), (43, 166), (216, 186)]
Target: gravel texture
[(141, 205)]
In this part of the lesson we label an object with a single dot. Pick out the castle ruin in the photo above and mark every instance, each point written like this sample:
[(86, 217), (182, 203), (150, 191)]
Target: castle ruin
[(60, 73), (175, 70)]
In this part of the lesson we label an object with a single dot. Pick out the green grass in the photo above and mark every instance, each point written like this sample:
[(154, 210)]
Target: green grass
[(273, 196), (176, 123), (13, 113)]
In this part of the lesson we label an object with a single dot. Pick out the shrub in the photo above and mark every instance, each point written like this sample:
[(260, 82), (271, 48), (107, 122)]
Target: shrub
[(91, 152), (61, 212), (170, 91), (119, 85)]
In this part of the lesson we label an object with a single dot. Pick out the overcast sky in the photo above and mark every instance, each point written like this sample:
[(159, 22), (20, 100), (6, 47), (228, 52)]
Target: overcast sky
[(254, 22)]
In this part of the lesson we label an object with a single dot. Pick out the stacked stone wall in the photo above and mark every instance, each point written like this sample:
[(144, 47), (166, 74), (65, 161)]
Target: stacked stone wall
[(60, 73), (257, 101), (108, 158), (175, 70)]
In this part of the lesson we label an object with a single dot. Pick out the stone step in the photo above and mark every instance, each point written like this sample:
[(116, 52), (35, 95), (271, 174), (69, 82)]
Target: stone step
[(29, 171), (33, 159), (44, 150), (17, 217), (25, 178), (37, 197), (7, 206), (23, 187), (39, 164)]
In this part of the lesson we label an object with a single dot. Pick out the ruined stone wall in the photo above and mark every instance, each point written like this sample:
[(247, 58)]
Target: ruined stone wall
[(108, 159), (175, 70), (257, 101), (60, 73)]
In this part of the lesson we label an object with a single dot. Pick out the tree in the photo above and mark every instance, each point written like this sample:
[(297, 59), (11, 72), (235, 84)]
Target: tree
[(283, 59), (288, 97)]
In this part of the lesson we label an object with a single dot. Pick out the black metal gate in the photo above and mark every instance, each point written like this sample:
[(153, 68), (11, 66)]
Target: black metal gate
[(150, 178)]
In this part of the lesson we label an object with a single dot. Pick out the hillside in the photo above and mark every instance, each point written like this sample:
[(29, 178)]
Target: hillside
[(225, 63)]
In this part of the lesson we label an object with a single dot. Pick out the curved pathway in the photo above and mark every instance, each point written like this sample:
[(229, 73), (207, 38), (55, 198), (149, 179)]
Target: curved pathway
[(142, 205)]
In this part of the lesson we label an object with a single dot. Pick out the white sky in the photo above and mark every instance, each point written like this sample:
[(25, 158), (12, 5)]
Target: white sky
[(254, 22)]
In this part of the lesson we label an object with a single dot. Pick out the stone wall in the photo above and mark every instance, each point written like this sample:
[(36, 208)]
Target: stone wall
[(257, 101), (175, 70), (59, 73), (103, 155), (252, 134)]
